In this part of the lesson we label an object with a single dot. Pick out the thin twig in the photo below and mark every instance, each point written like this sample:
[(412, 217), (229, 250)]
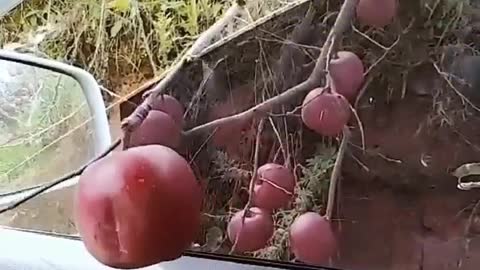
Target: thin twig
[(329, 56), (360, 163), (60, 180), (360, 125), (445, 76), (280, 142), (100, 33), (373, 153), (369, 38), (201, 88), (144, 37), (314, 80), (336, 173), (380, 59), (252, 181), (202, 146), (276, 186)]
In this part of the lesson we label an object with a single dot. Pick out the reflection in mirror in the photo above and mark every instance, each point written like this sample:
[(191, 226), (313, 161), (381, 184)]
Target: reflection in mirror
[(44, 123)]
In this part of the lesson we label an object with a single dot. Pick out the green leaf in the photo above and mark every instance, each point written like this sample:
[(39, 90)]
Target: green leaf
[(120, 5)]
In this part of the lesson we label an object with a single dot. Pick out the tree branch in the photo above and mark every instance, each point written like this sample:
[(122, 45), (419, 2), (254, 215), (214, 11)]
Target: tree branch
[(336, 173), (341, 24), (135, 119)]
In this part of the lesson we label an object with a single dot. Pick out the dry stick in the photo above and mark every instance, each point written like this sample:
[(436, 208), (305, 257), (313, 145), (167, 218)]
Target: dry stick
[(101, 27), (381, 57), (60, 180), (144, 36), (445, 76), (252, 180), (134, 120), (354, 109), (314, 80), (336, 173), (201, 88), (210, 136), (275, 186), (280, 142)]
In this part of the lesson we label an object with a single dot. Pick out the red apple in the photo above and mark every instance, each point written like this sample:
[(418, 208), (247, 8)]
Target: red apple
[(346, 74), (312, 239), (255, 232), (325, 113), (170, 106), (274, 187), (138, 207), (157, 128)]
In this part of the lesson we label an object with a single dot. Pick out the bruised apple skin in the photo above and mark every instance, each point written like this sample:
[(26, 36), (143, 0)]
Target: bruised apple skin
[(255, 232), (376, 13), (266, 192), (325, 113), (157, 128), (346, 74), (311, 239), (170, 106), (138, 207)]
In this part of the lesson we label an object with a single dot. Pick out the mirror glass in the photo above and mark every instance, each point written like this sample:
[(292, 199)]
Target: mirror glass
[(45, 124)]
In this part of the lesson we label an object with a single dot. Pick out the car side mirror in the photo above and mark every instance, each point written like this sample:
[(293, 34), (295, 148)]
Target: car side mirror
[(53, 120)]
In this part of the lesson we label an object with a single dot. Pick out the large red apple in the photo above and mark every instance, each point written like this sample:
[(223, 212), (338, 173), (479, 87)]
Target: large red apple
[(376, 13), (171, 106), (138, 207), (157, 128), (312, 239), (325, 113), (254, 233), (346, 74), (274, 186)]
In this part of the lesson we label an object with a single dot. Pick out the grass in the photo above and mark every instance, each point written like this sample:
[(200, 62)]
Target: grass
[(113, 38)]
